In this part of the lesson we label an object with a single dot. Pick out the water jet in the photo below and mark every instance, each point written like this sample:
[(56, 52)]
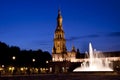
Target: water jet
[(94, 63)]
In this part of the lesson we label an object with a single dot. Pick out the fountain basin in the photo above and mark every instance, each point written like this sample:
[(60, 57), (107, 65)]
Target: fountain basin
[(92, 69)]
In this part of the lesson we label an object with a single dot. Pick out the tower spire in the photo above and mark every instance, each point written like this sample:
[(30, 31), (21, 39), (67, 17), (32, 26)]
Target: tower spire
[(59, 11), (59, 49), (59, 19)]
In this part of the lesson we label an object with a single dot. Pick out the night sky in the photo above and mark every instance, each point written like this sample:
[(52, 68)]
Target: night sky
[(30, 24)]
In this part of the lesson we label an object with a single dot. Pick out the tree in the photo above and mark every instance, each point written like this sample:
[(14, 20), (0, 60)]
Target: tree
[(16, 57)]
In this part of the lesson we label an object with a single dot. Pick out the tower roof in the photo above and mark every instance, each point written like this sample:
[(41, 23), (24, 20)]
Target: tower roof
[(73, 49), (59, 13), (59, 20)]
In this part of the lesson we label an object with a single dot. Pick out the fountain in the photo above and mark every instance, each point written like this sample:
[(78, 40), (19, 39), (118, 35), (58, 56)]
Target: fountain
[(94, 62)]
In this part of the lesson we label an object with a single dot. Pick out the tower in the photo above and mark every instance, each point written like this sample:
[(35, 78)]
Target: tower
[(59, 48)]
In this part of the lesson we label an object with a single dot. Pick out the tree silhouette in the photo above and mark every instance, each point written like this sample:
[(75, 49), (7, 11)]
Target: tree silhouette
[(16, 57)]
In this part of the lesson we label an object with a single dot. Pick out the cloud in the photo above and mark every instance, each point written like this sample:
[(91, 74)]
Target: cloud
[(72, 38), (40, 42), (81, 37), (44, 42), (111, 34), (92, 36), (114, 34)]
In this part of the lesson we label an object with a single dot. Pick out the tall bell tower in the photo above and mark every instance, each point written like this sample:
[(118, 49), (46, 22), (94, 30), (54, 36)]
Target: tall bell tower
[(59, 48)]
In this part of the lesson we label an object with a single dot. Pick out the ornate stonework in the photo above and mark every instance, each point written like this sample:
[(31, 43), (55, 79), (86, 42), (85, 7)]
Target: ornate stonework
[(59, 51)]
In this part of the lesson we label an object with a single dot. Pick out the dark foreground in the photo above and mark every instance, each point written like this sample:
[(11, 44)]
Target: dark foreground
[(67, 76)]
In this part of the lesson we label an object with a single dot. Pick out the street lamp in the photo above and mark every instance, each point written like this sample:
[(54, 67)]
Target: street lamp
[(33, 60), (13, 57), (14, 62), (3, 66), (47, 62)]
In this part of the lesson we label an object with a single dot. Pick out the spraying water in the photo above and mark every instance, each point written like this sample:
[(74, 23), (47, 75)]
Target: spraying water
[(94, 63)]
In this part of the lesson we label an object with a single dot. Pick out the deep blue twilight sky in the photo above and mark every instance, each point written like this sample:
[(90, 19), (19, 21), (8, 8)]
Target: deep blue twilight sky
[(30, 24)]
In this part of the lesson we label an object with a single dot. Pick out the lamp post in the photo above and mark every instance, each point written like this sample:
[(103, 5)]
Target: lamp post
[(13, 59), (13, 68), (33, 60)]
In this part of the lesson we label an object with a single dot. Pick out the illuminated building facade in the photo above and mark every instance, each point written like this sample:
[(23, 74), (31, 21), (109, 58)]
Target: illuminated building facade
[(65, 61), (59, 51)]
